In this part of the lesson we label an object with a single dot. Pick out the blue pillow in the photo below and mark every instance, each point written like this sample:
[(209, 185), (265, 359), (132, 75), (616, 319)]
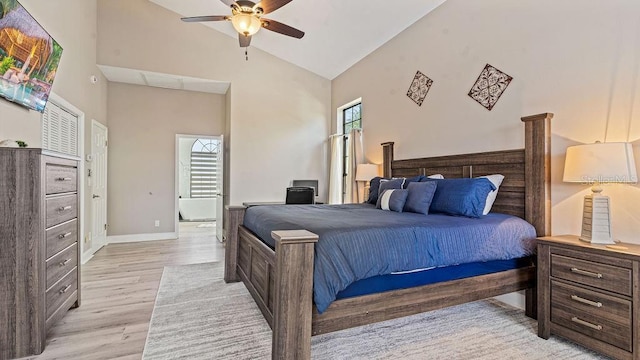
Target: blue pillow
[(420, 196), (407, 181), (374, 190), (390, 184), (465, 197), (392, 199)]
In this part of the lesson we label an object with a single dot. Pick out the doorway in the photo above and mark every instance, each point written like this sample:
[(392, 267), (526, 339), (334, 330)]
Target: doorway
[(199, 178)]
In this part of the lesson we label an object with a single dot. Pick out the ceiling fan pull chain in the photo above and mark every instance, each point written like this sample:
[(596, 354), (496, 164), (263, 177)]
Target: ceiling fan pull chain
[(246, 54)]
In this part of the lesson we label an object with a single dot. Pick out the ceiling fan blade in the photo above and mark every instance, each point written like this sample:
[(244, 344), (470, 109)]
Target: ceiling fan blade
[(228, 2), (244, 40), (281, 28), (272, 5), (205, 18)]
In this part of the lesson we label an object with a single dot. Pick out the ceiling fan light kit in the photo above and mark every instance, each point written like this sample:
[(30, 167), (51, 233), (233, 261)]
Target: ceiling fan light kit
[(246, 18), (246, 24)]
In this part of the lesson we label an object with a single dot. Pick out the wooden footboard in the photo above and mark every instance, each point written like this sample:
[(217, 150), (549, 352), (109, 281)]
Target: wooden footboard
[(280, 281)]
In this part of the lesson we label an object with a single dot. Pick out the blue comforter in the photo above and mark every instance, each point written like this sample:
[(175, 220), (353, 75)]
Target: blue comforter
[(358, 241)]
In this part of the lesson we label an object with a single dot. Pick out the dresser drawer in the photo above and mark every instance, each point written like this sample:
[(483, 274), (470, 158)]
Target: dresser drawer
[(61, 291), (61, 264), (601, 276), (61, 179), (61, 236), (61, 209), (605, 323)]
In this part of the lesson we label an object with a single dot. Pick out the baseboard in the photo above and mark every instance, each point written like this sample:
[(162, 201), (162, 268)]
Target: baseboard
[(118, 239), (515, 299), (86, 257)]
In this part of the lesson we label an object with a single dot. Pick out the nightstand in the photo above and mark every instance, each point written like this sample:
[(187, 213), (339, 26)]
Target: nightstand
[(590, 294)]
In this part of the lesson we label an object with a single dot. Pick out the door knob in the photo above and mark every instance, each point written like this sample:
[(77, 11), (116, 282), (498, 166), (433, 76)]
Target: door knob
[(96, 196)]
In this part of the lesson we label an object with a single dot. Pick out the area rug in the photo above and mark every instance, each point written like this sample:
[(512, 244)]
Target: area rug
[(198, 316)]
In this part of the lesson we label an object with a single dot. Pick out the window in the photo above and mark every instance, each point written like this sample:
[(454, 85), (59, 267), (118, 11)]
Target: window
[(351, 119), (204, 168)]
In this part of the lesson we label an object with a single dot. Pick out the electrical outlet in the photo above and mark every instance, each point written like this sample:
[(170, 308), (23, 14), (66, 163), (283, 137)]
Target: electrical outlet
[(157, 223)]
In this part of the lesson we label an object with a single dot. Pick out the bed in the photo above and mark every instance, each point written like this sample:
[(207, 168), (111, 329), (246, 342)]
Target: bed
[(280, 276)]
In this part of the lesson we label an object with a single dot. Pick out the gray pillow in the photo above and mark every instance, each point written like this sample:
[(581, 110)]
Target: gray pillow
[(392, 199)]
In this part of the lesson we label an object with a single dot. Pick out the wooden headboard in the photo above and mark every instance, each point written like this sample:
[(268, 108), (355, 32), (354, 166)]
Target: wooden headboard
[(525, 191)]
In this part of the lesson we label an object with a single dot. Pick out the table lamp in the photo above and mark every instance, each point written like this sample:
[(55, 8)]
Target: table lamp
[(595, 164), (366, 172)]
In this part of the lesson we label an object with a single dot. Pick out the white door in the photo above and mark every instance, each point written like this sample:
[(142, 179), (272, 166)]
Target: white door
[(98, 184), (219, 194)]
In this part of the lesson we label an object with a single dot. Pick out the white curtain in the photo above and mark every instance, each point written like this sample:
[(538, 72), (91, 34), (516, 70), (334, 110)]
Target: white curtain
[(355, 154), (335, 170)]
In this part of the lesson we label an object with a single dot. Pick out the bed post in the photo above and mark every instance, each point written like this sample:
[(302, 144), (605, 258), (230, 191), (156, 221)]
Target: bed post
[(537, 150), (537, 164), (387, 158), (233, 219), (293, 294)]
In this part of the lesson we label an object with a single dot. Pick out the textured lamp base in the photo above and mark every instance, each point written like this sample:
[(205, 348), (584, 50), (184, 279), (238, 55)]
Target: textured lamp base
[(596, 220)]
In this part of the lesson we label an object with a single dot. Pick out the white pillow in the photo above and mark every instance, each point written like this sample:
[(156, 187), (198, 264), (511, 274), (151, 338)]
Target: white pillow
[(435, 176), (496, 179)]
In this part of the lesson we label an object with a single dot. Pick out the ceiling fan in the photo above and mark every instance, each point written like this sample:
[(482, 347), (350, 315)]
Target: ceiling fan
[(246, 18)]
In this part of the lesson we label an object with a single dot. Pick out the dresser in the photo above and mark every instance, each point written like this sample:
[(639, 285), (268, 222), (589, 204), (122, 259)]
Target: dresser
[(590, 294), (39, 257)]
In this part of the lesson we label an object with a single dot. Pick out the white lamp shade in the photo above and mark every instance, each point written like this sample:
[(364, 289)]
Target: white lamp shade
[(600, 162), (366, 172), (246, 24)]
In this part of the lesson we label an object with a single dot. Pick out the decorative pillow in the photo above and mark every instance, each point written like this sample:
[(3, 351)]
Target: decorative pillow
[(434, 176), (390, 184), (407, 181), (420, 196), (392, 199), (465, 197), (374, 189), (496, 180)]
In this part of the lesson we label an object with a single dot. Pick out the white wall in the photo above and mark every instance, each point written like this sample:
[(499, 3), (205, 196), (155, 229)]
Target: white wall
[(578, 59), (143, 123), (279, 113)]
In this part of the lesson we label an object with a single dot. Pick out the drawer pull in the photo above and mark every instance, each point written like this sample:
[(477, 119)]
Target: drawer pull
[(64, 208), (63, 179), (586, 323), (64, 263), (65, 289), (62, 236), (585, 301), (587, 273)]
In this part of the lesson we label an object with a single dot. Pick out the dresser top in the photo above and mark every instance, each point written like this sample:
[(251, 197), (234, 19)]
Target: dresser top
[(574, 241)]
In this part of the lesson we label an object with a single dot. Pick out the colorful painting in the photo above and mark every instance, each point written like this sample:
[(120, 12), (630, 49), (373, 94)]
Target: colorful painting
[(419, 88), (29, 57), (489, 86)]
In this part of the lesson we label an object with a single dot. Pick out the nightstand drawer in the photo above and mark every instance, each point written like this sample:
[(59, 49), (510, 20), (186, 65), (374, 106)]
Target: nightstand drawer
[(605, 324), (597, 304), (590, 273)]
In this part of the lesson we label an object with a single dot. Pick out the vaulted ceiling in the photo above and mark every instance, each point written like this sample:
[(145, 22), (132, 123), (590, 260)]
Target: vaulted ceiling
[(338, 33)]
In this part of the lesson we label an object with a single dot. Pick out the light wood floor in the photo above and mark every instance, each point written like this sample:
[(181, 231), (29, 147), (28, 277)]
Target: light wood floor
[(119, 287)]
